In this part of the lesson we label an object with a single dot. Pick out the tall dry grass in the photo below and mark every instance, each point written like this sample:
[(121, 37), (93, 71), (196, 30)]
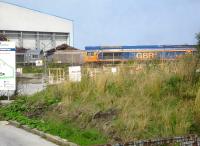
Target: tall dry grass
[(156, 101)]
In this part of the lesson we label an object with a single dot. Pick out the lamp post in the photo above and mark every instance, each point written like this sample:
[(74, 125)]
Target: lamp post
[(45, 57)]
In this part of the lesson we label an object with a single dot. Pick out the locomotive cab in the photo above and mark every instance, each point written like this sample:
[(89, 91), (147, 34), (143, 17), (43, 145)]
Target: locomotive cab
[(90, 56)]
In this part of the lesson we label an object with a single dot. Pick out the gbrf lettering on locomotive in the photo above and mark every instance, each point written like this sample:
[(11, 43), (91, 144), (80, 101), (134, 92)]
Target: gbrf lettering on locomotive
[(145, 55)]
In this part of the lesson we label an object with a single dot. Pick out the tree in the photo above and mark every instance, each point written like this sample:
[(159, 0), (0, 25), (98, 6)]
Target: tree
[(195, 73), (198, 44)]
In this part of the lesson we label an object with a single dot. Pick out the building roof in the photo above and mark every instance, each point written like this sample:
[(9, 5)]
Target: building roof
[(63, 47), (24, 50), (14, 18)]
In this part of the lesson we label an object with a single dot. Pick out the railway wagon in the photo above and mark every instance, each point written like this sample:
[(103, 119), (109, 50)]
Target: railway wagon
[(97, 54)]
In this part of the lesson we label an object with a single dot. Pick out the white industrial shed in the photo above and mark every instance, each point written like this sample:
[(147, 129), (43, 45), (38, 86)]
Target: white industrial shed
[(33, 29)]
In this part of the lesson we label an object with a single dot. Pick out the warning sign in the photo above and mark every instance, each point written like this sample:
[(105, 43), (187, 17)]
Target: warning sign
[(75, 73)]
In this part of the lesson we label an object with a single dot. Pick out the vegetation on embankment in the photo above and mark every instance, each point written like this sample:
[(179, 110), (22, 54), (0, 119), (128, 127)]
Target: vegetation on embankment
[(158, 100), (38, 112)]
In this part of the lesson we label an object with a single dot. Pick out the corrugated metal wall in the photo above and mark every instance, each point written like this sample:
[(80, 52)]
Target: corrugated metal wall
[(33, 29), (40, 40)]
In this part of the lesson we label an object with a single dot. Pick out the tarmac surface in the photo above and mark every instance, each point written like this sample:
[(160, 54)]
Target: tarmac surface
[(12, 136)]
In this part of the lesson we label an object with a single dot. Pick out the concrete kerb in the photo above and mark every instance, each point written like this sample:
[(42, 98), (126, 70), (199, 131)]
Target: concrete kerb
[(5, 102), (49, 137), (37, 132), (25, 127), (14, 123)]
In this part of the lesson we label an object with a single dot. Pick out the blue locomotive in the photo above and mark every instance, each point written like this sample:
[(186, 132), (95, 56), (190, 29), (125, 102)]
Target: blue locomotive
[(130, 53)]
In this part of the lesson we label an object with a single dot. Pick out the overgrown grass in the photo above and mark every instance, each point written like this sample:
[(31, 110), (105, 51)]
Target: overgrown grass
[(157, 100)]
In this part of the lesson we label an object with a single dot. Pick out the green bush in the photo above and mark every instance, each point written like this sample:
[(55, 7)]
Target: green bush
[(172, 86), (113, 89)]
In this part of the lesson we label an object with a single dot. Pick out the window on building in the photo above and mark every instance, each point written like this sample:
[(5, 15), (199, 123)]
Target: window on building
[(34, 56), (20, 58)]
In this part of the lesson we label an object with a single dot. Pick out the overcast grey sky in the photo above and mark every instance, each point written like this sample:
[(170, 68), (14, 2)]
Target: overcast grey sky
[(125, 22)]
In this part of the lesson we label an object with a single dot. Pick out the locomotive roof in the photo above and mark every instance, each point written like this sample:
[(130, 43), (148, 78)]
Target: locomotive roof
[(142, 47)]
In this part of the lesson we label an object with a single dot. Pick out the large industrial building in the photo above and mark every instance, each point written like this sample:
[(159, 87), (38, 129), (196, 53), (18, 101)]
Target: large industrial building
[(32, 29)]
